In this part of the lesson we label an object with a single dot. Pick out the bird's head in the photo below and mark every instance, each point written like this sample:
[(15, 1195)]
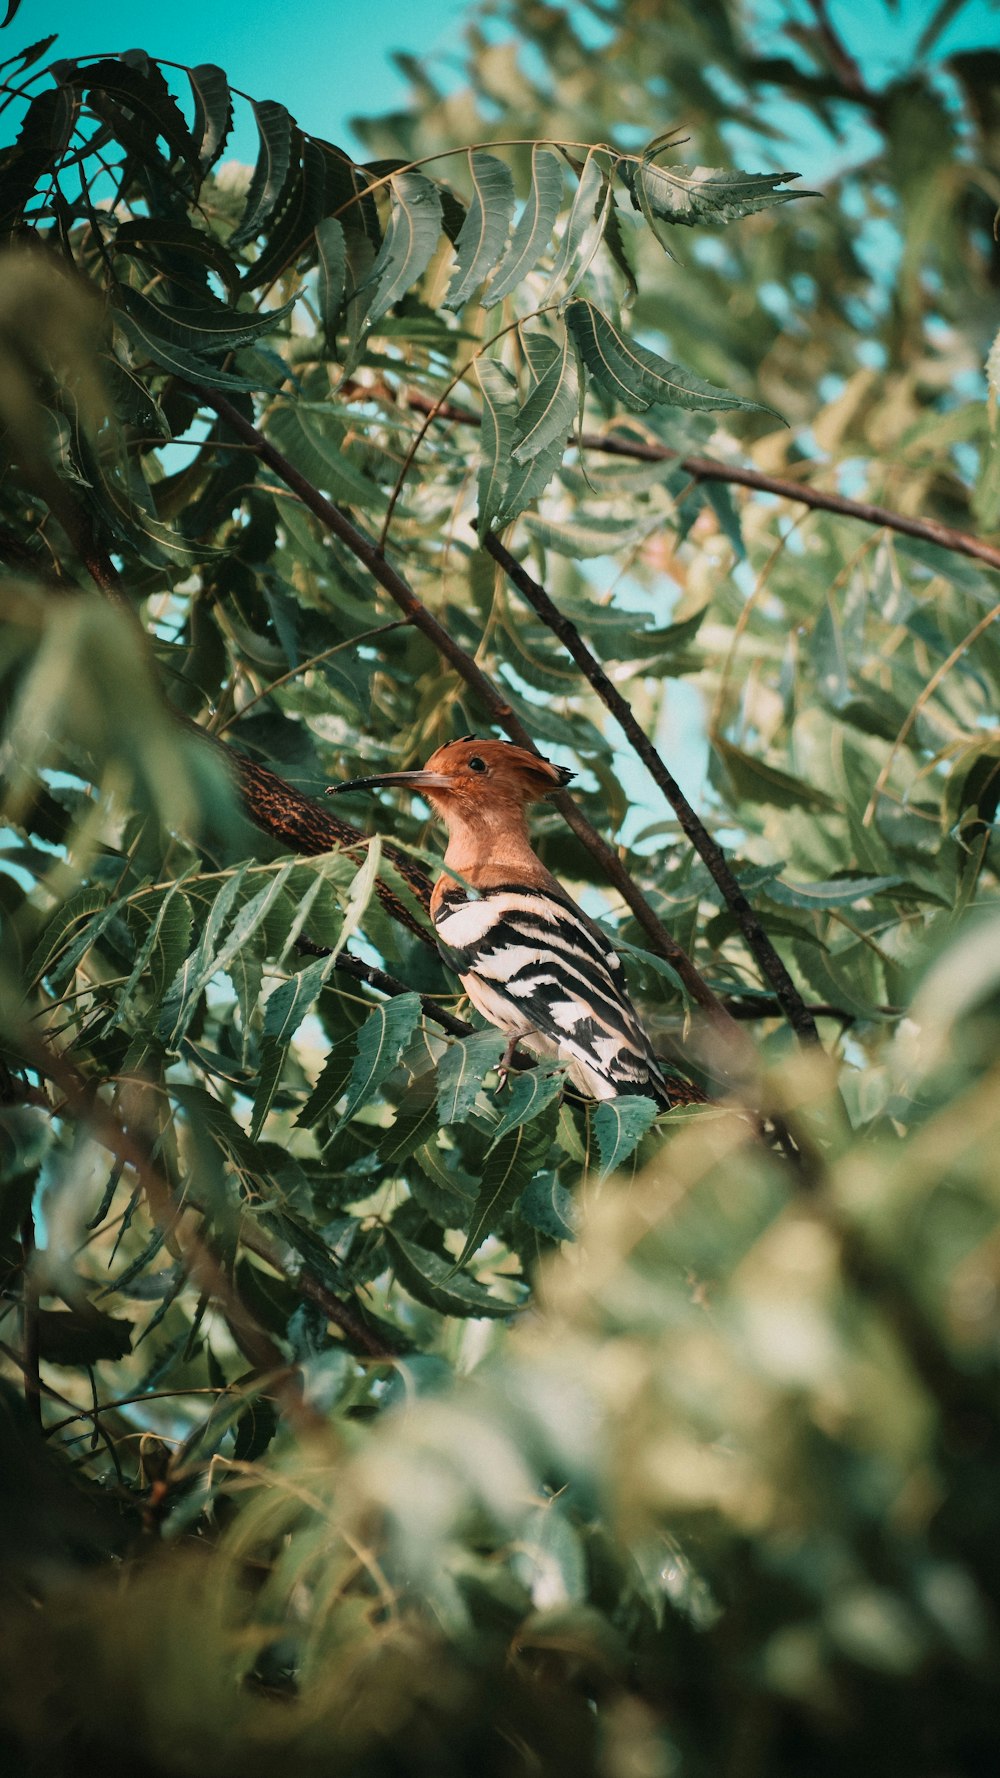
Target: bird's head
[(470, 776)]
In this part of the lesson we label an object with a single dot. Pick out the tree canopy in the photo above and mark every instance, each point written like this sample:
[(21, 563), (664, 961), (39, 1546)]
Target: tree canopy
[(355, 1414)]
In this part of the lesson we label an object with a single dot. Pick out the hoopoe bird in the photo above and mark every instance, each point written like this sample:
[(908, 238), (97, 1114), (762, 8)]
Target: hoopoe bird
[(532, 962)]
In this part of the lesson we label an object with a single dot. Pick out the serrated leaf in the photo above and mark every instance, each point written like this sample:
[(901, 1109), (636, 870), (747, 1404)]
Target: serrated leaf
[(509, 1166), (534, 228), (272, 1061), (759, 782), (317, 450), (483, 234), (527, 481), (213, 111), (415, 1122), (434, 1282), (202, 328), (197, 970), (836, 892), (583, 536), (380, 1044), (287, 1006), (548, 1207), (179, 363), (332, 1082), (568, 1137), (460, 1073), (295, 997), (528, 1097), (410, 243), (637, 377), (141, 88), (293, 225), (78, 907), (331, 253), (548, 414), (691, 195), (589, 196), (496, 439), (618, 1124), (160, 241), (170, 926), (276, 133)]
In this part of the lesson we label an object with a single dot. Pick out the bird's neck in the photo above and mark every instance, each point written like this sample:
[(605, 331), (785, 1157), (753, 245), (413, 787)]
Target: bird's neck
[(491, 846)]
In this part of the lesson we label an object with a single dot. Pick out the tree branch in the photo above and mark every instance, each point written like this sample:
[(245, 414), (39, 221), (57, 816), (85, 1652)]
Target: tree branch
[(403, 595), (708, 469), (760, 946), (306, 826)]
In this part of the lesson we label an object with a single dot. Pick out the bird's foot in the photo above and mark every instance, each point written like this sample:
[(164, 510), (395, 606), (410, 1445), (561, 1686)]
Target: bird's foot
[(504, 1067)]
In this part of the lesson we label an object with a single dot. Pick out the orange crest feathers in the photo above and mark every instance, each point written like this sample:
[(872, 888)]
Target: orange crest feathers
[(473, 763)]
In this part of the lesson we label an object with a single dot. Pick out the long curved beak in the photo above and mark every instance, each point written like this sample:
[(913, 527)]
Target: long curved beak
[(415, 781)]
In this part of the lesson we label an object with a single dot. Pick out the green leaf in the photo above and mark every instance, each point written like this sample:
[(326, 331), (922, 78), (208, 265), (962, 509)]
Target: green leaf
[(510, 1165), (483, 234), (317, 450), (434, 1282), (213, 111), (583, 536), (380, 1043), (460, 1073), (618, 1124), (534, 228), (86, 901), (196, 971), (171, 924), (140, 88), (175, 360), (200, 329), (331, 251), (293, 227), (272, 1061), (590, 195), (548, 414), (332, 1082), (548, 1207), (415, 1122), (637, 377), (718, 195), (528, 1096), (410, 243), (836, 892), (276, 135), (288, 1005), (496, 439), (759, 782)]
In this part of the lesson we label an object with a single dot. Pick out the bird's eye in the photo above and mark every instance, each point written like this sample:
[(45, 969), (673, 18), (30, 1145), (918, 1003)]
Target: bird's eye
[(476, 764)]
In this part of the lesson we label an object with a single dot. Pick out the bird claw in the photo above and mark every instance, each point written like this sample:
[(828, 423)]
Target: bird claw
[(504, 1067)]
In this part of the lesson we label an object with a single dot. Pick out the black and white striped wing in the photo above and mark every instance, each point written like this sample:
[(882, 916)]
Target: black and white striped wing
[(532, 964)]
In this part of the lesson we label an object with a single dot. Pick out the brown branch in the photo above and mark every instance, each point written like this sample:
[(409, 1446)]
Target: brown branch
[(310, 1288), (707, 469), (389, 984), (708, 848), (403, 595), (303, 825)]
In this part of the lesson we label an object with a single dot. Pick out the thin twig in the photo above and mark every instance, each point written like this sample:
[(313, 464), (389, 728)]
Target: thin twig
[(708, 848), (708, 469)]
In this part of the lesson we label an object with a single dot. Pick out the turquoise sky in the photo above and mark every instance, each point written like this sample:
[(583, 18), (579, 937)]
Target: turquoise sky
[(326, 62)]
